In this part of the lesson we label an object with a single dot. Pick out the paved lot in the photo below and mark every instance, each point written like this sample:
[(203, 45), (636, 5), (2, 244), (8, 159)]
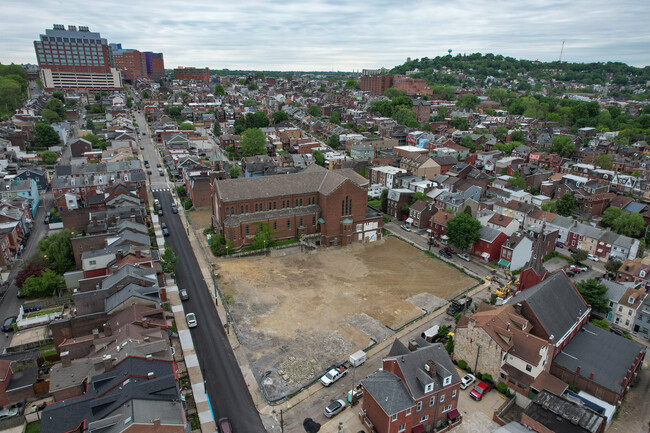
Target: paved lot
[(634, 413)]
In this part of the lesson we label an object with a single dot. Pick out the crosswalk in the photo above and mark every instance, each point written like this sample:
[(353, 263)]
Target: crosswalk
[(165, 189)]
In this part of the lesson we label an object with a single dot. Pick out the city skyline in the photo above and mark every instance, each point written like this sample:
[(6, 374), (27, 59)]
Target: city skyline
[(335, 35)]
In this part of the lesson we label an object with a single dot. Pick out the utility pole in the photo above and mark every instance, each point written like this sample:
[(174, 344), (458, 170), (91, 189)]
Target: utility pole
[(281, 421), (561, 51)]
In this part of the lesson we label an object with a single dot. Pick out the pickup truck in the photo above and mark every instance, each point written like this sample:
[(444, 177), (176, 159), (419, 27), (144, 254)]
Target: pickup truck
[(333, 375), (459, 305), (481, 389)]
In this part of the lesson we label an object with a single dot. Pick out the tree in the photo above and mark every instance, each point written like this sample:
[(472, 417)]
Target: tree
[(459, 123), (315, 111), (517, 181), (98, 143), (463, 230), (57, 106), (129, 102), (59, 95), (467, 142), (507, 148), (334, 118), (450, 345), (393, 92), (405, 116), (145, 94), (168, 261), (333, 141), (49, 157), (219, 90), (319, 159), (352, 84), (264, 237), (612, 266), (32, 268), (234, 171), (594, 294), (383, 199), (57, 250), (562, 145), (186, 126), (468, 210), (383, 107), (219, 245), (500, 133), (47, 284), (636, 173), (603, 161), (46, 136), (418, 196), (11, 95), (253, 86), (578, 256), (567, 205), (517, 136), (279, 116), (624, 223), (468, 101), (253, 142), (50, 116), (498, 94), (216, 129)]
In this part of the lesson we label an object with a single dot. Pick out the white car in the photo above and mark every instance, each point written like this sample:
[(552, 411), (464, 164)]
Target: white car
[(464, 257), (191, 320), (334, 408), (592, 257), (467, 380), (405, 227)]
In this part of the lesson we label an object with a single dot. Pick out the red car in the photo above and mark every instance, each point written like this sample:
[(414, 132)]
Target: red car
[(224, 426), (481, 389), (449, 249)]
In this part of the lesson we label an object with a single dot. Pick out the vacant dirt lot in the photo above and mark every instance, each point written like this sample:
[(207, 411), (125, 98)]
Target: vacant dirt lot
[(201, 218), (299, 314)]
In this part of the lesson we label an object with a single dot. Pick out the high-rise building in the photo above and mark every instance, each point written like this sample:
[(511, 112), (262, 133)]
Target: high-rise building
[(76, 59), (201, 74), (376, 84), (136, 64)]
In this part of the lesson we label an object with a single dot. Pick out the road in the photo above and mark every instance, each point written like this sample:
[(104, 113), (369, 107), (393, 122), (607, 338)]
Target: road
[(10, 304), (150, 153), (227, 390)]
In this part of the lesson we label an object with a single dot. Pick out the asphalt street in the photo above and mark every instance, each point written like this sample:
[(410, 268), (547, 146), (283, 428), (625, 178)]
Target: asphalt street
[(227, 390)]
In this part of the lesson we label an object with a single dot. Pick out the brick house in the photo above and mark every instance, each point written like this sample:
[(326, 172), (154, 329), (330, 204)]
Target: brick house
[(420, 213), (415, 391), (438, 224), (488, 247), (516, 252), (550, 412), (636, 270), (504, 223), (397, 197), (80, 146), (331, 205), (420, 165)]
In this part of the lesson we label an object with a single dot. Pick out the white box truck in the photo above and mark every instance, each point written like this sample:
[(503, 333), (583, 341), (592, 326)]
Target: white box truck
[(357, 358)]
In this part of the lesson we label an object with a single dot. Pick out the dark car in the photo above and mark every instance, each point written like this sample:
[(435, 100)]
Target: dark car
[(184, 295), (8, 324), (174, 209), (569, 273), (141, 147), (158, 165), (445, 253), (149, 172), (165, 231), (224, 425), (617, 331), (160, 212)]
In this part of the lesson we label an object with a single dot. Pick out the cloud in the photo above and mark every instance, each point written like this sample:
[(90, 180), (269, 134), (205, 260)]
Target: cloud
[(341, 35)]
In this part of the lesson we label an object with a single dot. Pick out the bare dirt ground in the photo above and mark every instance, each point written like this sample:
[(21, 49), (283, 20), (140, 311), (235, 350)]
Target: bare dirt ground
[(201, 218), (299, 314)]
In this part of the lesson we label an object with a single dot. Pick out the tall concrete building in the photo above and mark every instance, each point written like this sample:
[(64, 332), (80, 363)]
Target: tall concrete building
[(200, 74), (134, 64), (76, 59)]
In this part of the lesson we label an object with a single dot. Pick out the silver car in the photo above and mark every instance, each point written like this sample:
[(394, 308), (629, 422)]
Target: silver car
[(334, 408), (191, 320)]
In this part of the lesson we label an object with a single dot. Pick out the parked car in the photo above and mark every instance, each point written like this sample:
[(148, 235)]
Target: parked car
[(572, 250), (141, 147), (8, 412), (334, 408), (165, 231), (449, 249), (617, 331), (463, 256), (163, 225), (191, 320), (8, 324), (582, 268), (569, 273), (559, 245), (224, 425), (445, 253), (467, 380), (481, 389), (184, 295), (333, 375), (160, 212), (459, 305), (158, 165), (592, 257), (574, 269), (149, 172), (405, 227), (174, 209)]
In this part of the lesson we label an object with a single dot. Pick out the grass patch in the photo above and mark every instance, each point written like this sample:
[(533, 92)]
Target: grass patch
[(228, 298), (374, 203), (34, 427), (48, 350), (44, 312), (195, 422)]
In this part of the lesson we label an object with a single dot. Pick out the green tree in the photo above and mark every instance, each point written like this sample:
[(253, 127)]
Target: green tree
[(468, 101), (507, 148), (220, 246), (168, 261), (90, 125), (47, 284), (50, 116), (393, 92), (603, 161), (594, 294), (624, 223), (467, 142), (253, 142), (59, 95), (319, 159), (636, 173), (334, 118), (234, 171), (567, 205), (129, 102), (418, 196), (405, 116), (49, 157), (517, 136), (279, 116), (468, 210), (264, 237), (500, 133), (498, 94), (145, 94), (383, 107), (185, 126), (219, 90), (450, 345), (98, 143), (612, 266), (46, 136), (562, 145), (253, 86), (517, 181), (333, 141), (459, 123), (352, 84), (216, 129), (57, 250), (579, 256), (315, 111), (384, 200), (11, 95), (32, 268), (463, 230)]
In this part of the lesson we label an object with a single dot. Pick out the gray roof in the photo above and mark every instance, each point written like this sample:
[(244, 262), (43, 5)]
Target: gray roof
[(587, 230), (312, 179), (562, 415), (512, 427), (389, 392), (149, 293), (556, 303), (635, 207), (561, 221), (614, 290), (236, 220), (146, 274), (489, 234), (597, 351)]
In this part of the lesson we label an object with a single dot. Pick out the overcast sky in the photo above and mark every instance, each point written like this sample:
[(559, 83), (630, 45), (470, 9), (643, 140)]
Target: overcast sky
[(340, 35)]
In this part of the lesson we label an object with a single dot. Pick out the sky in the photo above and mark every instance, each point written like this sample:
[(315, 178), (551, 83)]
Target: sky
[(332, 35)]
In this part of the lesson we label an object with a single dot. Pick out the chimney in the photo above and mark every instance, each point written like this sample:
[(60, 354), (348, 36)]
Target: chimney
[(107, 330), (108, 362), (65, 358), (432, 368), (591, 376), (138, 253), (95, 334), (578, 369), (119, 254), (146, 339), (151, 375)]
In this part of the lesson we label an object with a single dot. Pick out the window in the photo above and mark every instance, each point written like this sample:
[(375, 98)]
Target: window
[(442, 398), (246, 208), (247, 230), (428, 388), (419, 406), (408, 411), (288, 224), (275, 225), (301, 222), (275, 205), (313, 220), (432, 401), (394, 418), (424, 418), (242, 209), (446, 409), (529, 367), (92, 262), (255, 207), (227, 211), (453, 394), (402, 427)]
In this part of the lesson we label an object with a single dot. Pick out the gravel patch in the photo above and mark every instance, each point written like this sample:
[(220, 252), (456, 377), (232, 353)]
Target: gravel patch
[(369, 326), (426, 301)]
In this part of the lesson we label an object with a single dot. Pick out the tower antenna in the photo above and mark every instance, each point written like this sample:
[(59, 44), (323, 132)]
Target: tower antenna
[(561, 51)]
